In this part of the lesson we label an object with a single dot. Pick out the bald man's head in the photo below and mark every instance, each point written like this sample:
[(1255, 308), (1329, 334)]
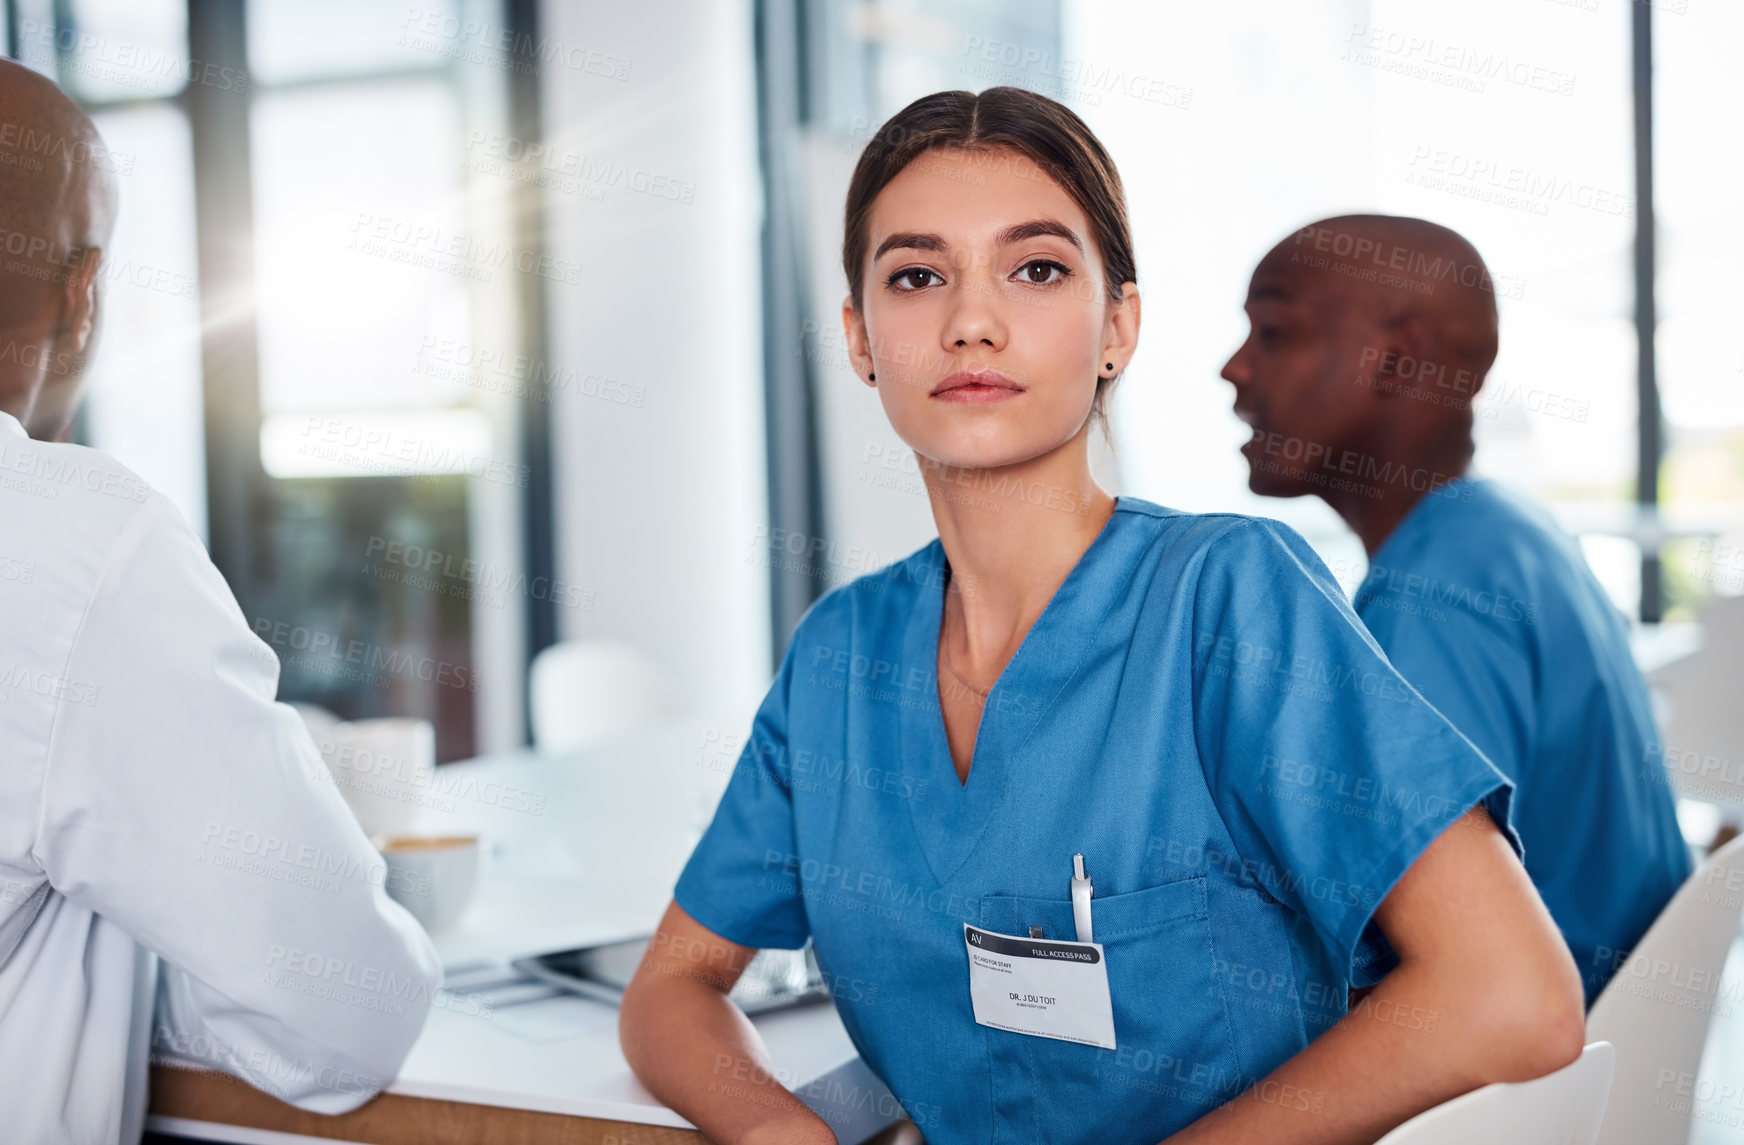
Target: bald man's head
[(1368, 330), (57, 211)]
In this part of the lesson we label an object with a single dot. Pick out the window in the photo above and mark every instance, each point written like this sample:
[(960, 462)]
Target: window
[(382, 259), (1700, 295), (373, 265), (144, 402), (1293, 112)]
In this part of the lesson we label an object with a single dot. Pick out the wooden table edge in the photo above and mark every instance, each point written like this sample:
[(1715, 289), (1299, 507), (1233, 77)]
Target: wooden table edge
[(392, 1118)]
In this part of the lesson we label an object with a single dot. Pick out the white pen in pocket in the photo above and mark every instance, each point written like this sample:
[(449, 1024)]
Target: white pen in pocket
[(1082, 889)]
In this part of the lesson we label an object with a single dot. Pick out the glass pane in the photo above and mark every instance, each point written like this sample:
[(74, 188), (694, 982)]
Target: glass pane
[(32, 34), (1506, 122), (144, 403), (367, 252), (125, 49), (877, 58), (291, 40), (1536, 167), (1246, 91), (368, 443), (362, 246), (367, 639), (1700, 295)]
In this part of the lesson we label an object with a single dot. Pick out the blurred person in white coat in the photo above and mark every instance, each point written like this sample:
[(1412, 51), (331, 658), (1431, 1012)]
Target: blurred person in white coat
[(169, 838)]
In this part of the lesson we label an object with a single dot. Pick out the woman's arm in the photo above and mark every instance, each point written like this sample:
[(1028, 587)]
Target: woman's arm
[(1485, 991), (697, 1052)]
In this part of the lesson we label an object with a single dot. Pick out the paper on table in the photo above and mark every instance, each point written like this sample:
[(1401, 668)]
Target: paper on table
[(555, 1018), (521, 1005)]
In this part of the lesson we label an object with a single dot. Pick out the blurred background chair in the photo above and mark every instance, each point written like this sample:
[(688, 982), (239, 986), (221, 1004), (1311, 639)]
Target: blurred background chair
[(1703, 720), (1657, 1009), (1563, 1108), (586, 692)]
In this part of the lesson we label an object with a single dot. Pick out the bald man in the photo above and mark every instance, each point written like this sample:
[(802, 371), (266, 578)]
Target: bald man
[(1371, 336), (178, 875)]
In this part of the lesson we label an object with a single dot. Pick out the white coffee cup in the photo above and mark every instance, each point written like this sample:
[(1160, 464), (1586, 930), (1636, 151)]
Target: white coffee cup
[(385, 769), (433, 876)]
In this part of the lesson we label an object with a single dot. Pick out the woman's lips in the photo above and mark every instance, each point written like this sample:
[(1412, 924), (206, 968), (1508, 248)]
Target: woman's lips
[(976, 387), (976, 394)]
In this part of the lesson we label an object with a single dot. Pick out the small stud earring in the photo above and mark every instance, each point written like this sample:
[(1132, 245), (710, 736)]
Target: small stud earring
[(871, 377), (1108, 365)]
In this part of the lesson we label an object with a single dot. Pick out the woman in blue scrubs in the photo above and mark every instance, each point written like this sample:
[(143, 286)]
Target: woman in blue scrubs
[(1182, 703)]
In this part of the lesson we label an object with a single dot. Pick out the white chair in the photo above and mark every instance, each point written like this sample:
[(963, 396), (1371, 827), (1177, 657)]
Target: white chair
[(1562, 1108), (585, 692), (1657, 1008), (1703, 724)]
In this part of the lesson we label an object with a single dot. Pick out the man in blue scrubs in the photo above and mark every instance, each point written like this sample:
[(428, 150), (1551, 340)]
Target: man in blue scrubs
[(1371, 336)]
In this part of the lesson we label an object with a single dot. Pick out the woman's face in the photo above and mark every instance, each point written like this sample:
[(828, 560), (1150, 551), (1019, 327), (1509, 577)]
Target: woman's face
[(986, 310)]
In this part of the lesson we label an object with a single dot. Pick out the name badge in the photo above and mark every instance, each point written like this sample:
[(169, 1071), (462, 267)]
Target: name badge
[(1041, 987)]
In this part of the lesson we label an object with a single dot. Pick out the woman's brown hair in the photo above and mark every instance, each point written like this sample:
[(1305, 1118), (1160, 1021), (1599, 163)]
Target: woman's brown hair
[(1046, 131)]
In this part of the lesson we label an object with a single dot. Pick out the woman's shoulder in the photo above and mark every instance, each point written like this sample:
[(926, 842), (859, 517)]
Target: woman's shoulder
[(1202, 562), (1238, 538), (876, 597)]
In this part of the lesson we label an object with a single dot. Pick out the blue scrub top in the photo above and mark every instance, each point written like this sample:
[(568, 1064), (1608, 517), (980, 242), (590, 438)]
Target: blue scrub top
[(1199, 713), (1490, 610)]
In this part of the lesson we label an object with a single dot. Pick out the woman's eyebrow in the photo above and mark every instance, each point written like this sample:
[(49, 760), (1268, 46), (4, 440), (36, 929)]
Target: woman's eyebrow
[(1016, 233), (1035, 228), (909, 240)]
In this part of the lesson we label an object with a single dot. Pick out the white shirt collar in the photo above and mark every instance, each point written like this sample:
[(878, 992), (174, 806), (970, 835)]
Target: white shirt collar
[(10, 424)]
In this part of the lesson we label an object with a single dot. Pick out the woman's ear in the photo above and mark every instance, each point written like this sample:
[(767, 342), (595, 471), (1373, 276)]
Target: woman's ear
[(1120, 340), (859, 348)]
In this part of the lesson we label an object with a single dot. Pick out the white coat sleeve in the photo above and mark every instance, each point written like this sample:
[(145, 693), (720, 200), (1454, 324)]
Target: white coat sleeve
[(187, 807)]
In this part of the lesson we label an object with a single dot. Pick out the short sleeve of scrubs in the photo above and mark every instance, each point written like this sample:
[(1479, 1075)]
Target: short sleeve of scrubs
[(734, 882), (1331, 773)]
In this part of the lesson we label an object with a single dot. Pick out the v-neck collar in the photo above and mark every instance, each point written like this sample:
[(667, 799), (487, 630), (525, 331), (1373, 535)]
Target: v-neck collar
[(954, 815)]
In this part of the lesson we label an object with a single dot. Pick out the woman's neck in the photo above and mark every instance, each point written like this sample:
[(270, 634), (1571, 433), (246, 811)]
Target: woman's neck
[(1011, 536)]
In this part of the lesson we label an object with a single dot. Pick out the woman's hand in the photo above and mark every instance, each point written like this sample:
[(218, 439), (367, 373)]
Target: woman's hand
[(1478, 951), (696, 1051)]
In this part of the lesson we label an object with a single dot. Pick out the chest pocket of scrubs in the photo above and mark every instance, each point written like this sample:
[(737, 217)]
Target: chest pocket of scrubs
[(1175, 1056)]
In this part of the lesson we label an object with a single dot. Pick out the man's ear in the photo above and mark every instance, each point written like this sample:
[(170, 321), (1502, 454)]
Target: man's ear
[(1377, 362), (79, 299), (1400, 357), (859, 347), (1423, 362)]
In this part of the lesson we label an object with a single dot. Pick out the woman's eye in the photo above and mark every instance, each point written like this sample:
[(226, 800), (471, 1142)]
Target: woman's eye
[(1268, 335), (912, 278), (1043, 271)]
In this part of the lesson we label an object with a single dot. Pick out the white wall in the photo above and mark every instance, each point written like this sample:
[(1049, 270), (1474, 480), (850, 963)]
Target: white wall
[(659, 505)]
